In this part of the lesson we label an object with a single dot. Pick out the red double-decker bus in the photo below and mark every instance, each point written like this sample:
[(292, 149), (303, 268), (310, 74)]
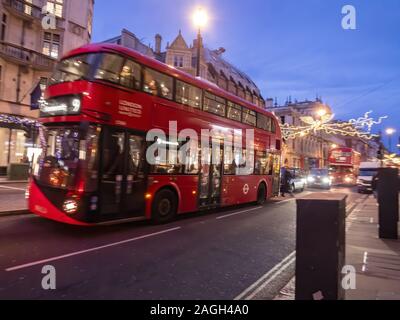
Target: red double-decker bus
[(100, 105), (344, 164)]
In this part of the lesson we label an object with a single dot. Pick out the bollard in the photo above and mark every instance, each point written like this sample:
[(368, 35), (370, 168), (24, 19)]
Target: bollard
[(320, 256), (388, 199)]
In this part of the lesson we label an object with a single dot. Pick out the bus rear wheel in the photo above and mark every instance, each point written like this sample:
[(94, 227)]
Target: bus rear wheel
[(261, 194), (165, 207)]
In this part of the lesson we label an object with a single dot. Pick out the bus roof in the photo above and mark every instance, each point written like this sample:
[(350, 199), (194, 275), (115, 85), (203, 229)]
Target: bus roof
[(153, 63)]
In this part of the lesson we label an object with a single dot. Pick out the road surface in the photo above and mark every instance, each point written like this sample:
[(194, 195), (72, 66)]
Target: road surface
[(202, 257)]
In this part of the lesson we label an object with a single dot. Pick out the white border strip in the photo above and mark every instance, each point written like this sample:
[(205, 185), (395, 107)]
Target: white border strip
[(257, 286), (236, 213)]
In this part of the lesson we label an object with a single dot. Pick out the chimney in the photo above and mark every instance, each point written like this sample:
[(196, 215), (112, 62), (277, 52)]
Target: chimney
[(158, 43)]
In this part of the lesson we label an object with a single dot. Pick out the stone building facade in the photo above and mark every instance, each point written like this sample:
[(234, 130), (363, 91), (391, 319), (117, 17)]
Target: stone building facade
[(183, 56), (33, 35)]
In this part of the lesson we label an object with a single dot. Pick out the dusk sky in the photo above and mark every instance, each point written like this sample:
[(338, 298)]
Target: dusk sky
[(289, 48)]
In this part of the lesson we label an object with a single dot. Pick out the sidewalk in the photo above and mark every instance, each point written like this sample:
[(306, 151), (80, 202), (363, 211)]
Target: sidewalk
[(12, 198), (5, 180), (377, 261)]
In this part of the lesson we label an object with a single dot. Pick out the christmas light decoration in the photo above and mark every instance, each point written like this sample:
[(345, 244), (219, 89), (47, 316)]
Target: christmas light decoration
[(26, 122), (360, 127)]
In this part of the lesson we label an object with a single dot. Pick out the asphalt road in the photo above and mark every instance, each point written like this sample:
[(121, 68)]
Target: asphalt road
[(206, 257)]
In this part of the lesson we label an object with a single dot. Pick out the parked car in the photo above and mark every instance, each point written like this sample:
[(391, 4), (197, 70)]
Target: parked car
[(319, 178), (299, 180)]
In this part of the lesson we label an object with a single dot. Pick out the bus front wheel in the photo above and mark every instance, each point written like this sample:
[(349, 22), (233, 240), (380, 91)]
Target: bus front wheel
[(165, 207)]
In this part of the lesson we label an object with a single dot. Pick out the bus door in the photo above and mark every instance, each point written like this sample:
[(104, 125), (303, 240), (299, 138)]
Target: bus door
[(123, 182), (211, 177), (276, 178)]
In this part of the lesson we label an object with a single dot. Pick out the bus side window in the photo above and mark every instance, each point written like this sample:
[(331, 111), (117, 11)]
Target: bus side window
[(158, 84), (130, 75), (110, 68)]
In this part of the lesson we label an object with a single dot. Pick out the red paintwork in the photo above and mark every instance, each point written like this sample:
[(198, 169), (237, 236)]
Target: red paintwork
[(103, 98), (41, 206), (343, 159)]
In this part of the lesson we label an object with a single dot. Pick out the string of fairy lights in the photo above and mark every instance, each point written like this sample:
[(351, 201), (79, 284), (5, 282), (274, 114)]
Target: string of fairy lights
[(361, 127), (21, 121)]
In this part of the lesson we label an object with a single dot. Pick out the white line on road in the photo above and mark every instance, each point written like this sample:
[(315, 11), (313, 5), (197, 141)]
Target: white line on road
[(12, 188), (72, 254), (260, 284), (236, 213)]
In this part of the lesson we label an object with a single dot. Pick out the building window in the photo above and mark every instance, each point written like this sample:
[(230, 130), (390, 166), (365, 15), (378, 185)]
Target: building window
[(90, 24), (55, 7), (178, 61), (3, 27), (43, 83), (51, 44)]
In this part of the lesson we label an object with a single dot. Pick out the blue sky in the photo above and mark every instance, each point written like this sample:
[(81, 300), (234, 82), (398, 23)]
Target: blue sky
[(289, 47)]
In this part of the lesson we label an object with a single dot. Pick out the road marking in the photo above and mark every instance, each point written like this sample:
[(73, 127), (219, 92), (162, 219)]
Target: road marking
[(261, 283), (236, 213), (12, 188), (285, 201), (72, 254)]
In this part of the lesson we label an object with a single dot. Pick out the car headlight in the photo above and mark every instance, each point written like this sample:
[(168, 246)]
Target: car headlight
[(326, 180), (311, 179)]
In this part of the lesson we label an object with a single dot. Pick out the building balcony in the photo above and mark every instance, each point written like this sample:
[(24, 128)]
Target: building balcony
[(26, 57), (23, 9)]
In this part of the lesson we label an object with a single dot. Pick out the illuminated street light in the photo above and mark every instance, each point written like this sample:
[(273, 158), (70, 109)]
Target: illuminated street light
[(390, 132), (200, 19), (322, 112), (334, 146)]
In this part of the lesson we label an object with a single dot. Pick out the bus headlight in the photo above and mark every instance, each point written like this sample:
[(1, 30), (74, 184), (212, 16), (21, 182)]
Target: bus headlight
[(70, 206), (348, 179)]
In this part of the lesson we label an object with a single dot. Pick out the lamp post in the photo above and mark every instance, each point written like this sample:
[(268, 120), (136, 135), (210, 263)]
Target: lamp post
[(200, 20), (321, 113), (390, 132)]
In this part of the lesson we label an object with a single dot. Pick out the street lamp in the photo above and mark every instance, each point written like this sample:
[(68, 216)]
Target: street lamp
[(322, 113), (200, 19), (390, 132)]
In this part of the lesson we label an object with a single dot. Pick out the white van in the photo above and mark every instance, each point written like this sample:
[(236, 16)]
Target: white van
[(368, 170)]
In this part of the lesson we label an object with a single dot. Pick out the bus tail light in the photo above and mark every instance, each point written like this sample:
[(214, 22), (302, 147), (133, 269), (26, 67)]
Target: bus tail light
[(70, 206)]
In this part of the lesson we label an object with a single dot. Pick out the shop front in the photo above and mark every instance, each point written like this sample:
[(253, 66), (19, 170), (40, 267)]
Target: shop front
[(18, 141)]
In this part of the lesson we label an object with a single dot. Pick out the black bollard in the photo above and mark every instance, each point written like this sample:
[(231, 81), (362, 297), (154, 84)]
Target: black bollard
[(320, 257), (388, 198)]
